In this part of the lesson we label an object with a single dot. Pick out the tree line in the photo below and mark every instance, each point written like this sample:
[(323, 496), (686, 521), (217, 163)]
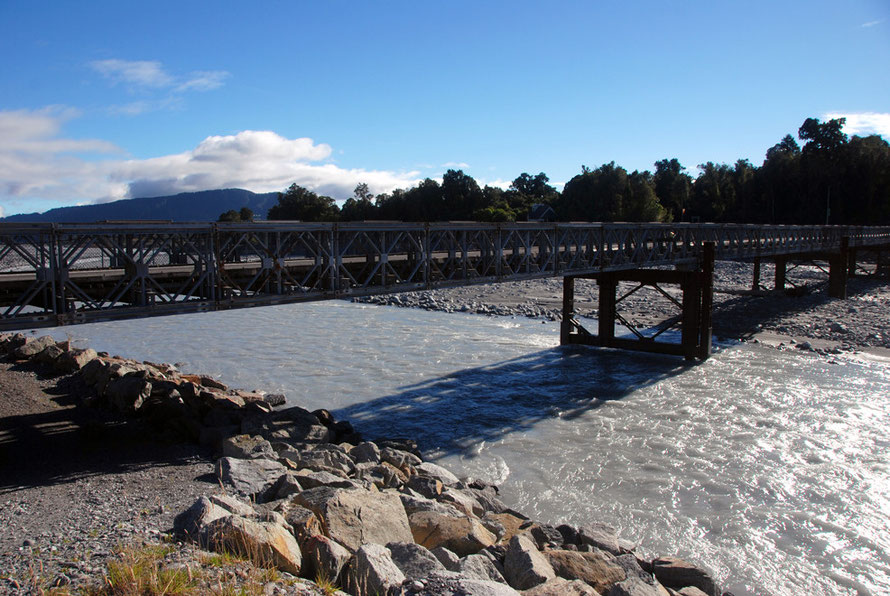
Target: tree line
[(829, 179)]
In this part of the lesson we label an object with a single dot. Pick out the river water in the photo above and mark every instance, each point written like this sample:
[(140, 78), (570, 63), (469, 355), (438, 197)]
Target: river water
[(771, 467)]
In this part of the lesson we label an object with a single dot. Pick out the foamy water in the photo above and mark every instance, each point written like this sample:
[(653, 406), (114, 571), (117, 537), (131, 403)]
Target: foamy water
[(771, 467)]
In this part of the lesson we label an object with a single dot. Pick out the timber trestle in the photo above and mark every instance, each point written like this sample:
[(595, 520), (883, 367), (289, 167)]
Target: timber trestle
[(63, 274)]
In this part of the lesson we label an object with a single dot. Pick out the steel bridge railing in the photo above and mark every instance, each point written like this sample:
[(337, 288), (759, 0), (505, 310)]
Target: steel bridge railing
[(54, 274)]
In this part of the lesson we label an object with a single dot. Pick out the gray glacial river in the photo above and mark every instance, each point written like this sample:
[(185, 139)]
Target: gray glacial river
[(772, 468)]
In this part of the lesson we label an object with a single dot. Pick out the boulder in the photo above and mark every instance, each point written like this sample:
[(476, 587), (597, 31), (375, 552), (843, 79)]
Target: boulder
[(372, 571), (561, 587), (488, 499), (511, 524), (676, 573), (480, 566), (399, 458), (432, 470), (355, 517), (428, 487), (449, 560), (75, 359), (263, 543), (324, 457), (462, 502), (324, 558), (233, 505), (32, 347), (635, 586), (50, 354), (413, 560), (602, 537), (303, 523), (597, 568), (452, 584), (127, 394), (247, 447), (415, 503), (461, 535), (253, 478), (312, 479), (294, 424), (365, 453), (524, 566), (190, 522), (691, 591), (286, 485)]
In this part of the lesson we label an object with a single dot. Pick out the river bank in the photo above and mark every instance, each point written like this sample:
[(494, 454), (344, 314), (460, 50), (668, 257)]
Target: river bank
[(804, 316)]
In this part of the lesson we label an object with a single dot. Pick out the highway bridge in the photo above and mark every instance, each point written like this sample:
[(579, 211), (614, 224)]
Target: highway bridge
[(63, 274)]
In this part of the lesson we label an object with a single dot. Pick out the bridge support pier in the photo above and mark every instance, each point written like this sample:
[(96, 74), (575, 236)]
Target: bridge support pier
[(694, 320), (781, 269), (838, 268)]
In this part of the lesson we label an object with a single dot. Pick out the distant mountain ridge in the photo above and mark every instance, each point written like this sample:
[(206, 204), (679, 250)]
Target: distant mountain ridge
[(206, 205)]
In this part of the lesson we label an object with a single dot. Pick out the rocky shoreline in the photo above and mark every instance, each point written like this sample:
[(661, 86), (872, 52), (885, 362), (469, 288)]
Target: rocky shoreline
[(304, 494)]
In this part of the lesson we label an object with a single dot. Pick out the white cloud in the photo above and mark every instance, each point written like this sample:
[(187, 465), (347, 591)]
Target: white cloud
[(859, 123), (203, 80), (37, 162), (143, 73), (871, 24), (455, 164)]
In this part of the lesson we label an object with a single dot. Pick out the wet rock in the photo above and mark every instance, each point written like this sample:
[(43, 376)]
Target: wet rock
[(253, 478), (524, 566), (461, 535), (676, 573), (431, 470), (600, 536), (356, 517)]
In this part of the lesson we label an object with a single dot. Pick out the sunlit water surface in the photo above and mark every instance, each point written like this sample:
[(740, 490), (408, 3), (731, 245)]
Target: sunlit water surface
[(771, 467)]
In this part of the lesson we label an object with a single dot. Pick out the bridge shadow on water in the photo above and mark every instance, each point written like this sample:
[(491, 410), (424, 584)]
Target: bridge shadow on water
[(454, 413)]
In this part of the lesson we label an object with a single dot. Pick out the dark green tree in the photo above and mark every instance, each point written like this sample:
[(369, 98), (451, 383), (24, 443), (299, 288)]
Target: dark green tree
[(298, 203), (672, 187), (359, 207)]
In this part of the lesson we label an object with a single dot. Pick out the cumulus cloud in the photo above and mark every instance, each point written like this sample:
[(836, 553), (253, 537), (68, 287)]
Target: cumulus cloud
[(864, 123), (37, 162)]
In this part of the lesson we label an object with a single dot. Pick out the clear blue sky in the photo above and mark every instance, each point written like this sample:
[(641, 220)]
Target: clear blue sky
[(107, 100)]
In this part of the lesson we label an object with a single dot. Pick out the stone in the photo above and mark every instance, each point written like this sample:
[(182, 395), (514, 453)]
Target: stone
[(480, 566), (372, 571), (303, 523), (452, 584), (32, 347), (524, 566), (562, 587), (511, 524), (311, 479), (365, 453), (286, 485), (263, 543), (461, 535), (399, 458), (253, 478), (294, 424), (428, 487), (247, 447), (600, 536), (324, 558), (275, 399), (432, 470), (50, 354), (415, 503), (676, 573), (233, 505), (380, 475), (415, 561), (545, 536), (635, 586), (325, 457), (355, 517), (488, 499), (449, 560), (461, 501), (691, 591), (127, 394), (400, 444), (597, 568), (190, 522)]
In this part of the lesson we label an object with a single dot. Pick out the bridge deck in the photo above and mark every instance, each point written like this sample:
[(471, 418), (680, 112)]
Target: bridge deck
[(55, 274)]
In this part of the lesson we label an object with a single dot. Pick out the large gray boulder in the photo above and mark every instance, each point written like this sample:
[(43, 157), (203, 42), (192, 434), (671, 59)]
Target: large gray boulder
[(602, 537), (33, 347), (190, 522), (252, 478), (294, 425), (247, 447), (372, 571), (561, 587), (481, 567), (415, 561), (127, 394), (524, 565), (438, 472), (450, 584), (324, 558), (355, 517)]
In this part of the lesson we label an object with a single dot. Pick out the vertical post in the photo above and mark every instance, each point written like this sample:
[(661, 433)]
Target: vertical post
[(707, 300), (568, 310), (851, 263), (755, 284), (691, 324), (606, 316), (781, 263), (837, 271)]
